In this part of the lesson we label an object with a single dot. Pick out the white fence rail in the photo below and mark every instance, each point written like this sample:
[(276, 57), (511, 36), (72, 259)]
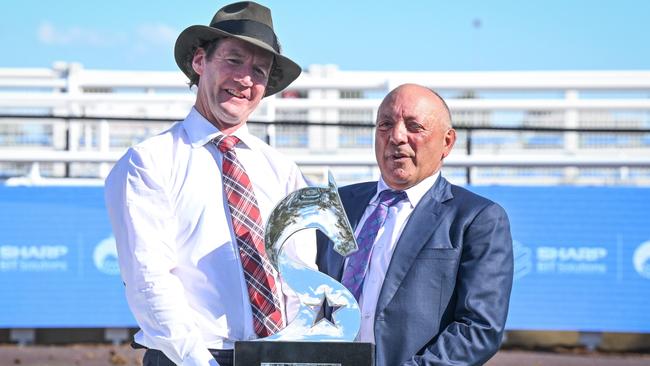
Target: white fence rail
[(360, 160), (327, 99)]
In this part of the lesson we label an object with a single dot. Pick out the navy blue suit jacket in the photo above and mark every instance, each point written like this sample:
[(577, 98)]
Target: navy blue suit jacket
[(445, 297)]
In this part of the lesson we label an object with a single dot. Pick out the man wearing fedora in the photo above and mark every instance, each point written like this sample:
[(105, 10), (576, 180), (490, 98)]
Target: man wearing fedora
[(188, 206)]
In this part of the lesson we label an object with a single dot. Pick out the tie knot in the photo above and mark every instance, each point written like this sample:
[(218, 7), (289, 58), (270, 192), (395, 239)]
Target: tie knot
[(226, 143), (389, 197)]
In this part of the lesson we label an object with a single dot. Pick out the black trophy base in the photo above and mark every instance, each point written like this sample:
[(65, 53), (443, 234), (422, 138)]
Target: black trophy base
[(260, 353)]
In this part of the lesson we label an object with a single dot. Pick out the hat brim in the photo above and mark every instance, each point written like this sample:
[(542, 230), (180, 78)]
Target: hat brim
[(196, 35)]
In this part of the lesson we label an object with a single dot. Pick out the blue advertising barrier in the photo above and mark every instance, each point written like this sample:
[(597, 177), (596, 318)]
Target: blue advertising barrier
[(582, 258), (58, 262)]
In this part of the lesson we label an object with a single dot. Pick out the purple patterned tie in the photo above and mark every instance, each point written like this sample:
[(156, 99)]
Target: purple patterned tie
[(355, 270)]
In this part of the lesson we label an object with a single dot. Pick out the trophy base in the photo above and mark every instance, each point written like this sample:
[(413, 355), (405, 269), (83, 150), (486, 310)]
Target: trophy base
[(260, 353)]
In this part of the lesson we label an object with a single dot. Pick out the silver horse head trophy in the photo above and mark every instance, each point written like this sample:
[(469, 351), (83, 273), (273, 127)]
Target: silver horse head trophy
[(315, 208)]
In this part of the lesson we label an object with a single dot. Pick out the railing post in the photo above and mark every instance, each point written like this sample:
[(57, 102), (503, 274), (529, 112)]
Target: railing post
[(571, 139), (271, 113), (468, 150), (71, 74), (104, 140), (270, 134), (68, 142)]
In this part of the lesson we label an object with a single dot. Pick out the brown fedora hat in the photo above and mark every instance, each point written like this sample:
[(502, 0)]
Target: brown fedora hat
[(249, 22)]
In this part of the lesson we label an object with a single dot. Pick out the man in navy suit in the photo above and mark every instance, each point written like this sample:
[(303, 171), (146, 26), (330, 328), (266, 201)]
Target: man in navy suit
[(435, 286)]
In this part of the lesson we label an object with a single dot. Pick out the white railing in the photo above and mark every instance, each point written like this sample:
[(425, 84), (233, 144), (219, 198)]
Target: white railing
[(75, 97), (455, 160), (70, 84)]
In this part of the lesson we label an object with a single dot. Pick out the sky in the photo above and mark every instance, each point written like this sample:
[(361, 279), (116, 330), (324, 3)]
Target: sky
[(419, 35)]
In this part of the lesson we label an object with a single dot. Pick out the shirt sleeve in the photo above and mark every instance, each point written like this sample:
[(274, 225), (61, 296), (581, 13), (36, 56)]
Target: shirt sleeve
[(143, 222)]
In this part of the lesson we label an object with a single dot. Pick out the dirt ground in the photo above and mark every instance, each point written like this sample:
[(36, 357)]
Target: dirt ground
[(107, 355)]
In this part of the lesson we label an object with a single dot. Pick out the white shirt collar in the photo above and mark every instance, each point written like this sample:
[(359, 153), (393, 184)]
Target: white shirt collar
[(414, 193), (201, 131)]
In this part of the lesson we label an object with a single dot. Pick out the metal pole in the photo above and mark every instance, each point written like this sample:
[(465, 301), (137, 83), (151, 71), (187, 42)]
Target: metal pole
[(468, 150)]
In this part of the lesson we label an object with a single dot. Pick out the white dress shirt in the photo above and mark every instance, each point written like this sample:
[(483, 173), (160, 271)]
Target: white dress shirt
[(178, 258), (383, 248)]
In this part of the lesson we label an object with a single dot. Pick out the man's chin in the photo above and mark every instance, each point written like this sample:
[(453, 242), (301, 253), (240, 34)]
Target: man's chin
[(396, 179), (232, 117), (398, 171), (228, 124)]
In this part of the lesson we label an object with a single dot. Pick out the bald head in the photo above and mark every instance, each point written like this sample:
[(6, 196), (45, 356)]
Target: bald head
[(413, 135), (443, 112)]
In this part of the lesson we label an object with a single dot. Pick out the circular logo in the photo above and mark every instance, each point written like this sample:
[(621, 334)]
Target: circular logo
[(105, 257), (642, 259)]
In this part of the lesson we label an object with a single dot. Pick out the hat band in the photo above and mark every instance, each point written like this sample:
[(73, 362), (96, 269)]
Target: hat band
[(250, 28)]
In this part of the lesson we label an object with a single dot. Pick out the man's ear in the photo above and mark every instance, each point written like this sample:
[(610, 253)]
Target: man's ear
[(198, 61), (449, 141)]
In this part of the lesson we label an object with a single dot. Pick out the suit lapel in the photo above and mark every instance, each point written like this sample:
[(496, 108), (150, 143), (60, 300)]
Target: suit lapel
[(354, 203), (420, 226)]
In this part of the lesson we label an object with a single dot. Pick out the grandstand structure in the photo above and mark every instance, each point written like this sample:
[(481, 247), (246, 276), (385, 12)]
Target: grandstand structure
[(68, 124)]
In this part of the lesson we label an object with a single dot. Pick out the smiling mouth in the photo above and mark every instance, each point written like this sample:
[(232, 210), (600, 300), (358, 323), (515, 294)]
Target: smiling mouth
[(235, 93)]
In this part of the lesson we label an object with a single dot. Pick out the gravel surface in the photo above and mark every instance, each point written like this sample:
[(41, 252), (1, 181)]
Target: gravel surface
[(73, 355), (107, 355)]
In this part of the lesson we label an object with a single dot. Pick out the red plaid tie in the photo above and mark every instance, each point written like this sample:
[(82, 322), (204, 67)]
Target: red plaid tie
[(247, 224)]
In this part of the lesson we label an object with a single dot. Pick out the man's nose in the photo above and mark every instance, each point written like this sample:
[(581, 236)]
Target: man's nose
[(244, 75), (398, 134)]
